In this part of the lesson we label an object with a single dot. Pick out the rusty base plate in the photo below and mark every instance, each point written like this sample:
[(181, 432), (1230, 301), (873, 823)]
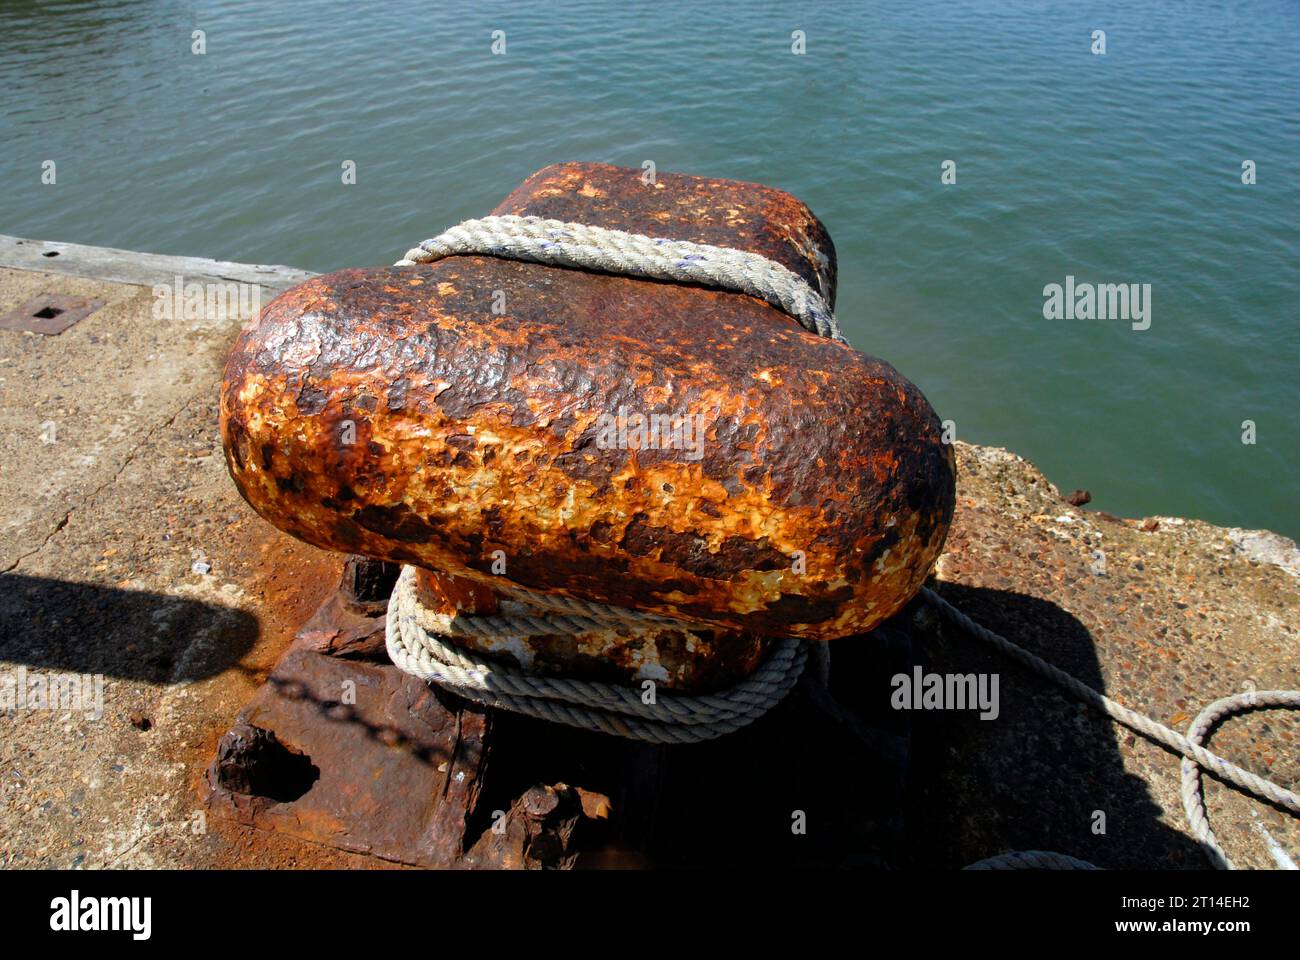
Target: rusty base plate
[(357, 755), (380, 776), (49, 313)]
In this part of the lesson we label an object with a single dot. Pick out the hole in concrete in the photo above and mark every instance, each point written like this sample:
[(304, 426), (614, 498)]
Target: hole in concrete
[(50, 253), (48, 313), (254, 762)]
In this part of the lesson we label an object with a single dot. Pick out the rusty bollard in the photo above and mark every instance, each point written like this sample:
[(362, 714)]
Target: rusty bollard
[(484, 420), (449, 416)]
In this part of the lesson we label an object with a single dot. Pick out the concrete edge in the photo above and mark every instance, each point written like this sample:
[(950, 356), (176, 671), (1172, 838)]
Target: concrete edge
[(142, 269)]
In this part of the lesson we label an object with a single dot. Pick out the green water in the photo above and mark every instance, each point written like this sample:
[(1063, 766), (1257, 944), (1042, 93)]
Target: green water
[(1122, 168)]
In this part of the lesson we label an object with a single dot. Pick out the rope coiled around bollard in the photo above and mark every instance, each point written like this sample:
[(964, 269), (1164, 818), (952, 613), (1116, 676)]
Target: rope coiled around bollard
[(414, 642)]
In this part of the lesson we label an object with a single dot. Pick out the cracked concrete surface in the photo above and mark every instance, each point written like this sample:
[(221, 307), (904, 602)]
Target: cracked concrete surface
[(89, 389)]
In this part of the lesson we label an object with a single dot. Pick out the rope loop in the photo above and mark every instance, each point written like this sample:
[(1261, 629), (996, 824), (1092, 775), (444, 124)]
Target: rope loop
[(559, 243), (418, 644)]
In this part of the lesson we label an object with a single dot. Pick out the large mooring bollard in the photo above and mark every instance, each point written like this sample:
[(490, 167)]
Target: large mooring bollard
[(457, 416), (523, 434)]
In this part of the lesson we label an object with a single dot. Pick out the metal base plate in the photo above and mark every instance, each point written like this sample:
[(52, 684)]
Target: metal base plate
[(49, 314)]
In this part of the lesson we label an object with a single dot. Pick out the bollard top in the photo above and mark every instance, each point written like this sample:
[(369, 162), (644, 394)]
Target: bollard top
[(724, 213)]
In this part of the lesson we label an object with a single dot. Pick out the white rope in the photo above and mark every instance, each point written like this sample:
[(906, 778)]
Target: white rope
[(558, 243), (413, 638), (1192, 789), (415, 643)]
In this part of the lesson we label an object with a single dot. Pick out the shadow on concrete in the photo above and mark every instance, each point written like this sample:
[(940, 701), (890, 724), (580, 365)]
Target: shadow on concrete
[(1043, 774), (875, 787), (811, 784), (850, 783), (845, 781), (60, 626)]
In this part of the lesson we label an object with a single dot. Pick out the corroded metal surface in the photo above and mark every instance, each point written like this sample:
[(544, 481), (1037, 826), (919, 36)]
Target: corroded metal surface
[(49, 314), (351, 622), (392, 774), (352, 753), (392, 413), (686, 661)]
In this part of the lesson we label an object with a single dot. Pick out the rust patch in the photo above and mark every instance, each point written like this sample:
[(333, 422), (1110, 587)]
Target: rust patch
[(724, 213), (390, 775), (49, 314)]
